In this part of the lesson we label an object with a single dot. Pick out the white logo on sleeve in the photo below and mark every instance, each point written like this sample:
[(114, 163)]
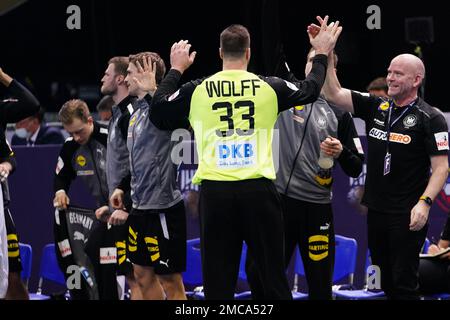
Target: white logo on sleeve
[(59, 165), (441, 140), (358, 145), (173, 96), (291, 85)]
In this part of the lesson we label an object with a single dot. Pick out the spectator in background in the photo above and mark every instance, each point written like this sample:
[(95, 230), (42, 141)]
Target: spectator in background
[(378, 87), (104, 108), (434, 274), (32, 131)]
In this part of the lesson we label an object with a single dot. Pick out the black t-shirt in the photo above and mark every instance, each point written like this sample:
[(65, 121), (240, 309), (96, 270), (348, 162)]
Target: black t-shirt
[(446, 232), (416, 134)]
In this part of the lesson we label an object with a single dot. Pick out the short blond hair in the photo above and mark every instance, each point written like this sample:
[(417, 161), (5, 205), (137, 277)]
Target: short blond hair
[(74, 109)]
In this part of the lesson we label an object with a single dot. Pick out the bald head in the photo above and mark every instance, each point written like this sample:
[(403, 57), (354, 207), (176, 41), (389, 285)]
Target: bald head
[(405, 75), (411, 63)]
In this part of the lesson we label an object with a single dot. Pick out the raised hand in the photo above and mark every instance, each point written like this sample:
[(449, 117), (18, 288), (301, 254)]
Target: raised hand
[(323, 39), (146, 76), (180, 59)]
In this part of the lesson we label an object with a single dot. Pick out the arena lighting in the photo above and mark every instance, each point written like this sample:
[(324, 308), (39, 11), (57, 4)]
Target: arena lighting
[(8, 5)]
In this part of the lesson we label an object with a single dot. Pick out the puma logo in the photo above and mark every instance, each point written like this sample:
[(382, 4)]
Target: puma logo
[(325, 227), (78, 236), (164, 263)]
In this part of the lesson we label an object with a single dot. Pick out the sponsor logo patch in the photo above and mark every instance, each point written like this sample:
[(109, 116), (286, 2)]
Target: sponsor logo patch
[(441, 140), (232, 154), (81, 161), (64, 248), (132, 120), (85, 173), (108, 255), (383, 106), (394, 137), (318, 247)]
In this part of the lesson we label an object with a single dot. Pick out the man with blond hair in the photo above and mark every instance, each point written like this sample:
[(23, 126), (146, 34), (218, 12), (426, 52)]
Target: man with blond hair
[(157, 221), (84, 155)]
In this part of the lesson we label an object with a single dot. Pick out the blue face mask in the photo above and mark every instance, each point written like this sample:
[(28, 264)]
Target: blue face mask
[(23, 133)]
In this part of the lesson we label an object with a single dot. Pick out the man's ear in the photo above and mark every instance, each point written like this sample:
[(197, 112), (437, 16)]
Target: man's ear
[(248, 54), (220, 53), (418, 80), (120, 79)]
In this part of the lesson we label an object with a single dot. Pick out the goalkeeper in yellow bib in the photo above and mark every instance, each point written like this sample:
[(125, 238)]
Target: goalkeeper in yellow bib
[(233, 113)]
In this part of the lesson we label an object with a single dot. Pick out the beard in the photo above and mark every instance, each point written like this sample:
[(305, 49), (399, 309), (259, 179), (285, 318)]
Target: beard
[(108, 91)]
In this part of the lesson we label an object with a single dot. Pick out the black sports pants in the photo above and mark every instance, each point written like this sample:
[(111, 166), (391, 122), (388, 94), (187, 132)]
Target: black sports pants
[(233, 212), (310, 225), (395, 249)]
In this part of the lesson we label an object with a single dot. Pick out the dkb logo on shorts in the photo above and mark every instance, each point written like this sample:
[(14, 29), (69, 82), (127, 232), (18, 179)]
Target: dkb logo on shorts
[(318, 247)]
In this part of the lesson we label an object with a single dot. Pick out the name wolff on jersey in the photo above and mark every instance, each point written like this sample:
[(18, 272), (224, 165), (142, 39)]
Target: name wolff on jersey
[(226, 88), (393, 137), (85, 221)]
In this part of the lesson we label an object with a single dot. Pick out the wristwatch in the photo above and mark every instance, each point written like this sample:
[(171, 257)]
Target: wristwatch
[(427, 200)]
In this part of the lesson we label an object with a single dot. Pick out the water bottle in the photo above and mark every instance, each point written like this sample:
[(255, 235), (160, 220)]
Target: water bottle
[(325, 161)]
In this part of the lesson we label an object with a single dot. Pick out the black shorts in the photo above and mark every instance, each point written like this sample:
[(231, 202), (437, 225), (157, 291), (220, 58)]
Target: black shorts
[(124, 266), (158, 239), (15, 264)]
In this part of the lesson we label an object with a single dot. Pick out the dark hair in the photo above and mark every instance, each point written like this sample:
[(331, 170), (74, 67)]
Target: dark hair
[(378, 84), (39, 115), (105, 104), (120, 65), (74, 109), (160, 65), (234, 40)]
